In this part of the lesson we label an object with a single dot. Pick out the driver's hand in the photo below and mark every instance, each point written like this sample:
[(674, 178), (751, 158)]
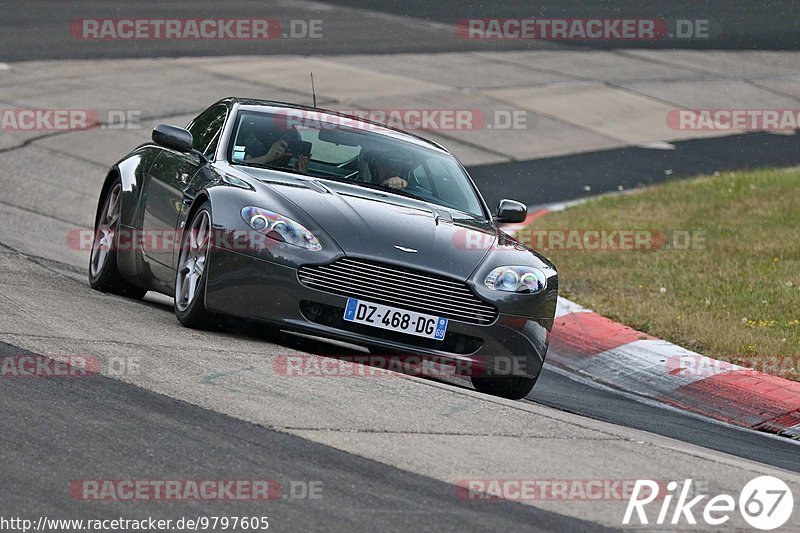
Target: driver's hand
[(277, 150), (395, 183)]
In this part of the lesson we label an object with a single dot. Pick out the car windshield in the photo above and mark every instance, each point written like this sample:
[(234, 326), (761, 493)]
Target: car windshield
[(337, 148)]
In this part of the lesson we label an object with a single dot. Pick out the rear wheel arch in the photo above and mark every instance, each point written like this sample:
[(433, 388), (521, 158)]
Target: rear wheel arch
[(104, 272)]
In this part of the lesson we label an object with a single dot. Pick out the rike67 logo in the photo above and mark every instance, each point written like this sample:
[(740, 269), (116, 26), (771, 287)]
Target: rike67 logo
[(765, 503)]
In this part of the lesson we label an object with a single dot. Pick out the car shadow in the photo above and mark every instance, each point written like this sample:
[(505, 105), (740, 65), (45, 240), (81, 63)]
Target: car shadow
[(313, 345)]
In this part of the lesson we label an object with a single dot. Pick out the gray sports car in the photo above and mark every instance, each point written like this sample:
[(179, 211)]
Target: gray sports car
[(312, 221)]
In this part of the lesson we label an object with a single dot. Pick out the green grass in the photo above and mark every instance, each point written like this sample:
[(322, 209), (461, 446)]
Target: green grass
[(737, 294)]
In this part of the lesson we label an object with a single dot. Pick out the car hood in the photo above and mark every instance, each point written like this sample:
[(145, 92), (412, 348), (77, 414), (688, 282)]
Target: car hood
[(372, 224)]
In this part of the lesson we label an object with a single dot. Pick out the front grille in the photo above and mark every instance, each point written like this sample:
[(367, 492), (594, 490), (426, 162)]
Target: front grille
[(406, 288)]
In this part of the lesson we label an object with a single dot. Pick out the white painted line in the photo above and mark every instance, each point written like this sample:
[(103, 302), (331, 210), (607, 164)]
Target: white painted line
[(5, 66)]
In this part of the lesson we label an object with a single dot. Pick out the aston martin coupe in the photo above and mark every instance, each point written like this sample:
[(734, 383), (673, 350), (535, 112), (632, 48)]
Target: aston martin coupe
[(311, 221)]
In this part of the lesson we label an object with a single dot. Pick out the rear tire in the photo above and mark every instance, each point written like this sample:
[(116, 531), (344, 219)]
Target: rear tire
[(513, 388), (192, 273), (103, 271)]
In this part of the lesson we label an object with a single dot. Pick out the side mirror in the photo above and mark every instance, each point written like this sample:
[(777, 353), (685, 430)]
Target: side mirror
[(511, 211), (172, 137)]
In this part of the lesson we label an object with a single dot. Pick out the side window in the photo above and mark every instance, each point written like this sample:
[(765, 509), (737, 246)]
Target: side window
[(206, 127)]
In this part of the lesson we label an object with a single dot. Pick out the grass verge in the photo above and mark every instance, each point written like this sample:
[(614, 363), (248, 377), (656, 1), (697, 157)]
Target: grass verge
[(721, 275)]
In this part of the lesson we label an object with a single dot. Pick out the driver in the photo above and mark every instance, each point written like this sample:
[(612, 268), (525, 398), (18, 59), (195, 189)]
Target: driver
[(386, 167)]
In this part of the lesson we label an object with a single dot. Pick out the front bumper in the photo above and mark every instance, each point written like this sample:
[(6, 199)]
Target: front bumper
[(258, 290)]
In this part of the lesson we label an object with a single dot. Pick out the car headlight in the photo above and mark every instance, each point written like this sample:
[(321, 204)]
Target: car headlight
[(522, 279), (280, 228)]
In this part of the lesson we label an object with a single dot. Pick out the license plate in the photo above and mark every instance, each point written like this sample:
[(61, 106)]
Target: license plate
[(393, 319)]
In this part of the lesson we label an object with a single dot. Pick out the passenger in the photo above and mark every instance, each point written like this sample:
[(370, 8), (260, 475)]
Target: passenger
[(257, 139)]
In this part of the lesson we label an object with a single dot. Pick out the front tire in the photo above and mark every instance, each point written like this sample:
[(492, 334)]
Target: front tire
[(513, 388), (192, 273), (104, 274)]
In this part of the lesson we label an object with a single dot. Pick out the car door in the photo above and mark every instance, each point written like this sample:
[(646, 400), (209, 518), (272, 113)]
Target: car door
[(169, 181)]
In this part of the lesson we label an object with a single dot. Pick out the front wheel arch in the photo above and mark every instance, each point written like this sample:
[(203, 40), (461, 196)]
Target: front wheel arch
[(202, 198), (194, 314)]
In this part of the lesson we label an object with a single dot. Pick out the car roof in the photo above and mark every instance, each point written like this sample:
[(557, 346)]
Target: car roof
[(381, 129)]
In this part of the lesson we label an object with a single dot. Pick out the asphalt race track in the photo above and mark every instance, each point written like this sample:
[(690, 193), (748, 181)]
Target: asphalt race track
[(31, 32), (165, 438), (387, 451), (733, 27), (562, 178)]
